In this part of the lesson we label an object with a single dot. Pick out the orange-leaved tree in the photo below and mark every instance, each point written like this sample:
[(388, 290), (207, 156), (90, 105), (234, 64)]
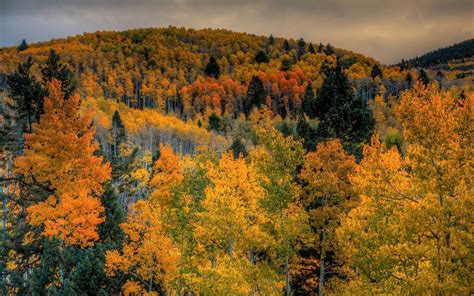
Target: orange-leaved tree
[(59, 156)]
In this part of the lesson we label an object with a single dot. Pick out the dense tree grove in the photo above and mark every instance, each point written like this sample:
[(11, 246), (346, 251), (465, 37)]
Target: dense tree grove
[(207, 162)]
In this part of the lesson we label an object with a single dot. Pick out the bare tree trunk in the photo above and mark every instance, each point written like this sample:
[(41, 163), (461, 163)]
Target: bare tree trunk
[(321, 263), (287, 277)]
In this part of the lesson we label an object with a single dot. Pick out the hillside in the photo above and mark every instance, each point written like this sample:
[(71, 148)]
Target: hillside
[(453, 64), (458, 51), (176, 161)]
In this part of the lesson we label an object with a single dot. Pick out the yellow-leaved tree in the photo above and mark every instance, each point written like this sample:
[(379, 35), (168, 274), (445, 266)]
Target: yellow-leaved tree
[(230, 232), (59, 158), (412, 232), (149, 254), (328, 194)]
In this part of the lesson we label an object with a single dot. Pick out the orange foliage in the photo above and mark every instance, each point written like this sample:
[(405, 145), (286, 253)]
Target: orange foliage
[(60, 155)]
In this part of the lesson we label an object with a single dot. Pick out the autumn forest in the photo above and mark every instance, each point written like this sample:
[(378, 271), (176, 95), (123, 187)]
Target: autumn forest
[(176, 161)]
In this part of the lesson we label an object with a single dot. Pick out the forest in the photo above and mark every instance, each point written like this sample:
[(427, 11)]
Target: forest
[(177, 161)]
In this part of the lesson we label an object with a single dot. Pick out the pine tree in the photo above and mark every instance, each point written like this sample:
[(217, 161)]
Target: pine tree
[(53, 68), (307, 133), (423, 77), (309, 102), (214, 122), (118, 134), (28, 95), (329, 50), (376, 71), (23, 46), (255, 95), (271, 40), (212, 68), (311, 49), (301, 50), (286, 45), (342, 115), (261, 57), (238, 148)]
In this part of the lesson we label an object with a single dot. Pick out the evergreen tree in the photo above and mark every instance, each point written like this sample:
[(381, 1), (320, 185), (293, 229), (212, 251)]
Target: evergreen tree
[(286, 65), (309, 102), (212, 69), (376, 71), (255, 95), (301, 48), (271, 40), (261, 57), (311, 48), (286, 45), (320, 47), (27, 93), (307, 133), (423, 77), (238, 148), (409, 79), (118, 134), (23, 46), (214, 122), (342, 115), (329, 50), (54, 68)]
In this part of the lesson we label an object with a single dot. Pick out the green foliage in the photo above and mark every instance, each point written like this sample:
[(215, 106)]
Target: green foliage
[(261, 57), (27, 94), (54, 68), (212, 68), (23, 46), (341, 114), (255, 95)]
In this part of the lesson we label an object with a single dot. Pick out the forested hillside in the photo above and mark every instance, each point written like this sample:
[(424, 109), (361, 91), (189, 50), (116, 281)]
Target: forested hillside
[(454, 63), (207, 162)]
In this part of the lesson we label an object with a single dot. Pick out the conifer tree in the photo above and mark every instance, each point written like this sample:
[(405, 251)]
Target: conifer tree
[(342, 115), (212, 68)]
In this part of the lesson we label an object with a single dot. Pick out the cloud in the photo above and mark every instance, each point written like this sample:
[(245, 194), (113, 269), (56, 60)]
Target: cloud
[(387, 30)]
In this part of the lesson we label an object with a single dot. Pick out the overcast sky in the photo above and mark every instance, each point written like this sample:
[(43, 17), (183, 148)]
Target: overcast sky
[(385, 29)]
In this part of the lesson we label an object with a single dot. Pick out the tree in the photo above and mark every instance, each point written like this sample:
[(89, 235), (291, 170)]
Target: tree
[(271, 40), (301, 50), (212, 68), (410, 232), (167, 175), (329, 50), (286, 65), (311, 49), (255, 95), (230, 231), (118, 133), (423, 77), (23, 46), (214, 122), (327, 194), (238, 148), (27, 94), (149, 256), (277, 159), (59, 155), (261, 57), (309, 106), (307, 133), (53, 68), (286, 45), (376, 71), (342, 115)]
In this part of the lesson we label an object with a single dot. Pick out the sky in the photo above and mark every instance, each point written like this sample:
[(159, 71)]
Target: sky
[(387, 30)]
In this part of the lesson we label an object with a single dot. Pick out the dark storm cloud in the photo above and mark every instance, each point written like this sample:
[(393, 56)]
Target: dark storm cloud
[(387, 30)]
